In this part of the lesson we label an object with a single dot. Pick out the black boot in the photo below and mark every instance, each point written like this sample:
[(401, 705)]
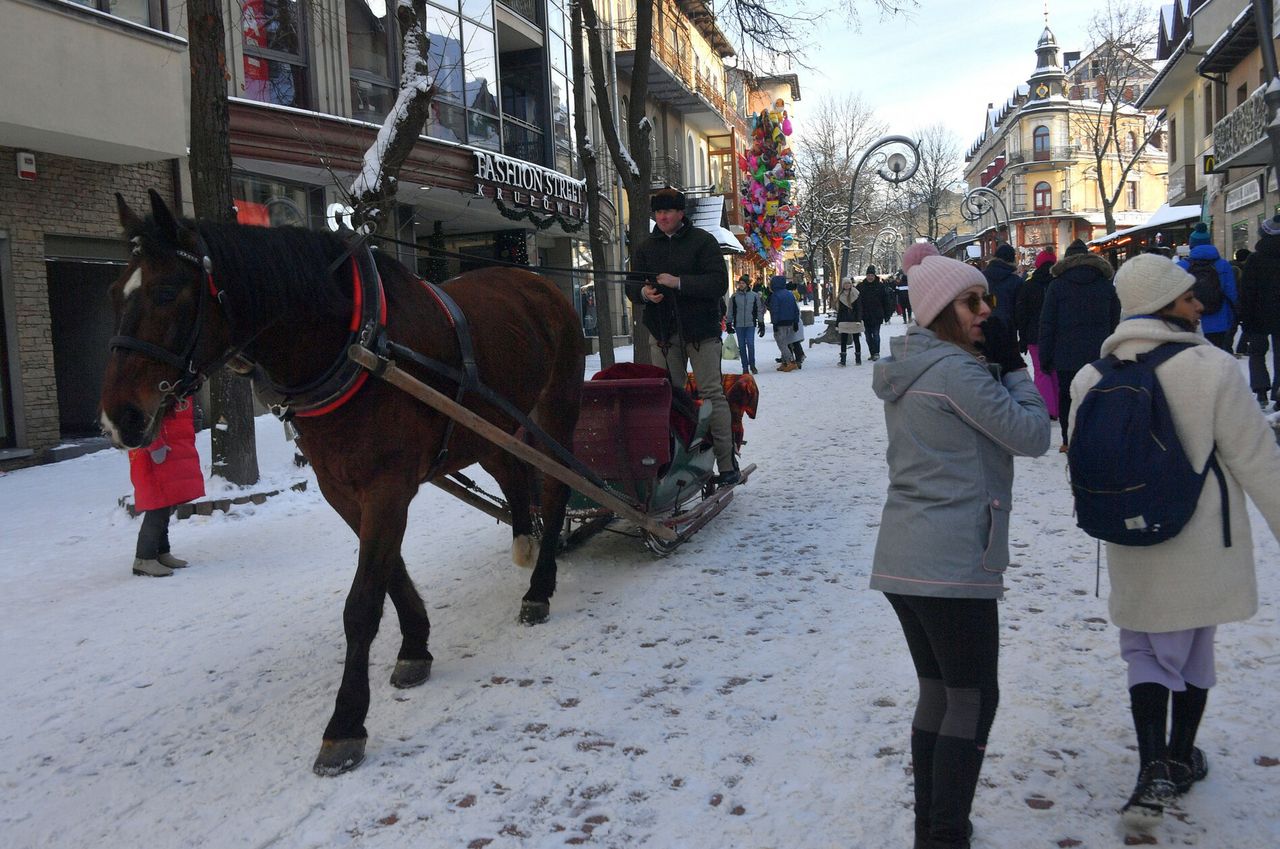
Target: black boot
[(1187, 764), (922, 746), (1149, 704), (956, 764), (843, 357)]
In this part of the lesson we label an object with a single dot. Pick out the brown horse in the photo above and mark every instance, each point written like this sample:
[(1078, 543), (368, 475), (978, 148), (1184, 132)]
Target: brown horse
[(197, 294)]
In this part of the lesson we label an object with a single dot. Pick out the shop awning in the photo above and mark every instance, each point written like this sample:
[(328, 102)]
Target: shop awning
[(1165, 216)]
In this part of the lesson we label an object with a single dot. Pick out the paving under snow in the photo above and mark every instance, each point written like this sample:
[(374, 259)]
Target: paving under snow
[(747, 691)]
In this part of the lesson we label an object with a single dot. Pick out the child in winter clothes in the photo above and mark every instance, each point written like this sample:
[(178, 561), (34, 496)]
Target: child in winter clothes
[(1220, 327), (164, 473), (1168, 598), (955, 422)]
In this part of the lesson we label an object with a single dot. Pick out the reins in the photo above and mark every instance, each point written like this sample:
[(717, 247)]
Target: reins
[(432, 253)]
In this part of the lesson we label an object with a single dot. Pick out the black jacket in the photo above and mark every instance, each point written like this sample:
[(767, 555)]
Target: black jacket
[(850, 312), (693, 311), (1027, 306), (1080, 311), (877, 301), (1003, 283), (1260, 288)]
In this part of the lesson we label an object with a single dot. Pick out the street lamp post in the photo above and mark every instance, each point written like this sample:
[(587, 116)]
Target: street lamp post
[(1263, 12), (980, 200), (894, 168), (870, 247)]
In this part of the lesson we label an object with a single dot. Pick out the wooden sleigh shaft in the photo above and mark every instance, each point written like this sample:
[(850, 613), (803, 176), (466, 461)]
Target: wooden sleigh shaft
[(387, 370)]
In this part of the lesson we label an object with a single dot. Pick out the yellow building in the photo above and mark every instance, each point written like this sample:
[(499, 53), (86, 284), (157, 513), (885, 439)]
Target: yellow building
[(1036, 154)]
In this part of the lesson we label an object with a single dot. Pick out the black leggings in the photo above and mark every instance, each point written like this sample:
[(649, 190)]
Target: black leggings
[(955, 641)]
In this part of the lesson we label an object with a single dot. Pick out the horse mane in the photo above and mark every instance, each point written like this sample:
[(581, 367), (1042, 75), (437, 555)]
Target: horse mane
[(272, 272)]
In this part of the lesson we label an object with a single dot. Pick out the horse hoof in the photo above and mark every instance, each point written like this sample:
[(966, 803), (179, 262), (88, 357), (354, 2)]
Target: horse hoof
[(534, 612), (339, 756), (410, 673)]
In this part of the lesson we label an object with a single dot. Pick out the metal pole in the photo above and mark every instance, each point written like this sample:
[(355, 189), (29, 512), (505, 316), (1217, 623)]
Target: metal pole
[(891, 176), (1262, 12)]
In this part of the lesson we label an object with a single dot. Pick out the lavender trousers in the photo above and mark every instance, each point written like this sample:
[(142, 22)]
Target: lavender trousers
[(1173, 659)]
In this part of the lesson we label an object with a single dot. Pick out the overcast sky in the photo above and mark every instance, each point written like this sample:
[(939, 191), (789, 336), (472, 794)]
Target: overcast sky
[(944, 63)]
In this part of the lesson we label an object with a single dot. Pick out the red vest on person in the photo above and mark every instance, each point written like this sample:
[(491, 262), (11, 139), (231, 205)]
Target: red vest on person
[(178, 478)]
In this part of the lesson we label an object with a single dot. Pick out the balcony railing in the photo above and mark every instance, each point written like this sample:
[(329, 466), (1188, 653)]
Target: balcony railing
[(667, 172), (677, 58), (523, 141), (1238, 139), (1052, 154)]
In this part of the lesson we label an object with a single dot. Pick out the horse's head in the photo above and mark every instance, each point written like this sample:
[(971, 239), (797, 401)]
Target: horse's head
[(167, 331)]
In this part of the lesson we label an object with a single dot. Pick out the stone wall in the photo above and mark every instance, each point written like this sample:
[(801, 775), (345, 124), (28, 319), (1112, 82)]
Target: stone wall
[(70, 197)]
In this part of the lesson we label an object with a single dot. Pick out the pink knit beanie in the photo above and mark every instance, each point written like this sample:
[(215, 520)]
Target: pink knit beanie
[(934, 281)]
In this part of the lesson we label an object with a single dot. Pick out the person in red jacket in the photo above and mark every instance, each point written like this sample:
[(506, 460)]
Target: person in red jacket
[(164, 473)]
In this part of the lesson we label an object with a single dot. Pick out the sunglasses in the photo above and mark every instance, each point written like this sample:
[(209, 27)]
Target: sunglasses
[(974, 301)]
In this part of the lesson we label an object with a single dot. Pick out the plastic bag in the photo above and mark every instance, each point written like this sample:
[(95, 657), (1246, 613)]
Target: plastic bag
[(729, 351)]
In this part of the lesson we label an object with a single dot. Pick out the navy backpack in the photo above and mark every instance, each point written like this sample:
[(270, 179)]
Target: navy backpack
[(1132, 482)]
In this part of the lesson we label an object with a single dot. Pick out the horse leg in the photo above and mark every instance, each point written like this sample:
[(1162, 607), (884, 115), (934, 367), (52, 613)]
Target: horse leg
[(383, 516), (557, 414), (512, 478), (413, 664)]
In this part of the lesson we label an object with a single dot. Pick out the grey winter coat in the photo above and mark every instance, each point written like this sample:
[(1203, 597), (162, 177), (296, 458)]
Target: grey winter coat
[(953, 433)]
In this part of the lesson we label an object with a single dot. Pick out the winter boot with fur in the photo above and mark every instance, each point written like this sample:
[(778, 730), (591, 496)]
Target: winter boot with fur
[(150, 568), (167, 559)]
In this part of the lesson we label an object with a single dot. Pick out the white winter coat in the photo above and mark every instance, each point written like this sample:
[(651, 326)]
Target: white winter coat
[(1193, 580)]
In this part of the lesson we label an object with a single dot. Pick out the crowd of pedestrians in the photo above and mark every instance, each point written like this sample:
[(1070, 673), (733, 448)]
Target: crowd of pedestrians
[(960, 403)]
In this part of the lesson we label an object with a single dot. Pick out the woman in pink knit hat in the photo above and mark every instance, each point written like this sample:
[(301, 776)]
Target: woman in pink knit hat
[(959, 407)]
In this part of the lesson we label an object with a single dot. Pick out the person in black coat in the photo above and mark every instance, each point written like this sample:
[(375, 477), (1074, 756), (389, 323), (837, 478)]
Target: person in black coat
[(1003, 281), (1026, 320), (877, 301), (1080, 311), (1260, 311)]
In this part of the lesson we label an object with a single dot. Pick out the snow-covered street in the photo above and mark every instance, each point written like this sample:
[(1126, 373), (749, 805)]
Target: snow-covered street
[(746, 691)]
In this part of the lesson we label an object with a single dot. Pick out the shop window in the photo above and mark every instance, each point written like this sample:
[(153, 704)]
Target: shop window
[(270, 203), (275, 66), (145, 12), (372, 47)]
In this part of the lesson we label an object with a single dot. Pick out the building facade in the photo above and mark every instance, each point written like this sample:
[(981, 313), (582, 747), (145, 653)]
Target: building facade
[(1036, 154)]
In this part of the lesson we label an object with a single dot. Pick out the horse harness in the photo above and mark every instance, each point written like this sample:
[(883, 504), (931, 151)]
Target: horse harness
[(345, 377)]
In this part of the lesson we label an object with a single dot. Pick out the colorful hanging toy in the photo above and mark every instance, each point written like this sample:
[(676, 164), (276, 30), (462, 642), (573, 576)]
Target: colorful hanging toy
[(768, 167)]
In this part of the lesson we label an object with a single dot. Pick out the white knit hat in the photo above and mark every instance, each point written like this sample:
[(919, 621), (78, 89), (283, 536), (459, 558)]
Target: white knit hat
[(934, 281), (1147, 283)]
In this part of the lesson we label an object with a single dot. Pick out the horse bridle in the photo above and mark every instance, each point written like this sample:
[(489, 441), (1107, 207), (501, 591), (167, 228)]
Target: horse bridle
[(192, 375)]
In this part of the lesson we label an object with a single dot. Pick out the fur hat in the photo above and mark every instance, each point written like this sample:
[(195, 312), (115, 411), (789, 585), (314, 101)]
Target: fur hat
[(1077, 247), (1006, 253), (934, 281), (1147, 283), (1046, 257), (1271, 226), (666, 199), (1200, 235)]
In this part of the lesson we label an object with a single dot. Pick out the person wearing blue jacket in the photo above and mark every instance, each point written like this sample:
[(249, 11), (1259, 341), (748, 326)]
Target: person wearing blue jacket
[(1220, 327)]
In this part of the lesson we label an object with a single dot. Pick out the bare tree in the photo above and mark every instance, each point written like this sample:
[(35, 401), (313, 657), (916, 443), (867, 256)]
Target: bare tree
[(836, 133), (926, 198), (373, 191), (232, 439), (1113, 133), (591, 170), (767, 29)]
